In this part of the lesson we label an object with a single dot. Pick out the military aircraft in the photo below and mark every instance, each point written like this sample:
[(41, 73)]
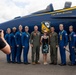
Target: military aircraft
[(45, 19)]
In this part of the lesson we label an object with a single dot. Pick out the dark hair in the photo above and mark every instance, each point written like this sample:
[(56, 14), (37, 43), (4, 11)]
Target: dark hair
[(52, 26)]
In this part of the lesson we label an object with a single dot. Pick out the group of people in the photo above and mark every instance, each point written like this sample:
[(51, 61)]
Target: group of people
[(19, 41)]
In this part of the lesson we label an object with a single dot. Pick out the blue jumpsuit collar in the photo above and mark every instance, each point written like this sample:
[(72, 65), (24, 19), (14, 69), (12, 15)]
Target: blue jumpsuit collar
[(62, 30), (20, 31), (72, 32), (14, 32), (8, 33)]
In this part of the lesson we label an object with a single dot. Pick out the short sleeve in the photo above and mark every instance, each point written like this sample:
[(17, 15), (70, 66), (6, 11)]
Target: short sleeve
[(2, 44)]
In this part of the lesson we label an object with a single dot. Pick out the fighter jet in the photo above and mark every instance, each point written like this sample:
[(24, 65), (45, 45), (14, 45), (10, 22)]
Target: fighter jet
[(44, 19)]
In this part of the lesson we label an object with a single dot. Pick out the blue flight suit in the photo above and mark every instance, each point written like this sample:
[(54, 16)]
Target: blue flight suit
[(13, 46), (18, 36), (25, 43), (72, 37), (7, 38), (75, 48), (63, 41)]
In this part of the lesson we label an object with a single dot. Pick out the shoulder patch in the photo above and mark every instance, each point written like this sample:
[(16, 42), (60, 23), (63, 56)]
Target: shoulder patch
[(74, 35), (66, 34)]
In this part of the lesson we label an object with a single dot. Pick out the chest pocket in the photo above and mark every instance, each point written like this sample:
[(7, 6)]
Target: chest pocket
[(52, 37), (27, 36), (14, 36), (35, 35), (20, 34)]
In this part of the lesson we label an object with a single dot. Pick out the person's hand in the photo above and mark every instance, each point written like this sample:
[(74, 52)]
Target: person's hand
[(72, 46), (56, 46), (2, 34), (17, 45), (23, 46), (64, 47), (31, 45)]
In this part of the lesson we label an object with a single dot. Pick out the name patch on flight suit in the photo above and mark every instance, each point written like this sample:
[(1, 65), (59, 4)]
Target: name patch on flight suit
[(66, 34), (27, 35), (20, 34), (14, 36), (60, 37), (38, 34), (34, 34)]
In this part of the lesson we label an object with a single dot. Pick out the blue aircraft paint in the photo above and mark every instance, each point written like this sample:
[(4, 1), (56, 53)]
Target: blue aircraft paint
[(66, 17)]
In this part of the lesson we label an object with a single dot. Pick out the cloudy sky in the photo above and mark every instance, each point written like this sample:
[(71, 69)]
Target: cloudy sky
[(13, 8)]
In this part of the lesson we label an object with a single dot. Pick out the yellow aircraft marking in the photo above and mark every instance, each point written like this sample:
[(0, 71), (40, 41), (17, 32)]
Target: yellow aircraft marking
[(57, 11), (43, 27)]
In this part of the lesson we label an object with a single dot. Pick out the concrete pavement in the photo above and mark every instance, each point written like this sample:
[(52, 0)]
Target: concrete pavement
[(21, 69)]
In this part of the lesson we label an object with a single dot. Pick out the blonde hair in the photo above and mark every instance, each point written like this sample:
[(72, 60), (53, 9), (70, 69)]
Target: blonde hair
[(20, 25), (8, 29), (61, 25), (26, 27), (14, 28), (71, 26)]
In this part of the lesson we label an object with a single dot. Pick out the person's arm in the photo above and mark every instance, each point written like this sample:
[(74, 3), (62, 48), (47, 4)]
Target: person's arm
[(4, 46), (16, 39), (22, 39), (73, 37), (41, 40), (66, 39), (48, 40), (40, 37), (10, 40), (31, 39), (56, 38)]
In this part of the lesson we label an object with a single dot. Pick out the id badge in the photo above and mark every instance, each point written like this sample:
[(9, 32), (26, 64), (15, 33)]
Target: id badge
[(60, 37)]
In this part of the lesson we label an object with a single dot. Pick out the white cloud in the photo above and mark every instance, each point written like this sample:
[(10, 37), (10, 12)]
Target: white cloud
[(13, 8)]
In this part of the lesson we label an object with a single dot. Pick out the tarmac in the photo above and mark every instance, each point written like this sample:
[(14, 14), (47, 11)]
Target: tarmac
[(21, 69)]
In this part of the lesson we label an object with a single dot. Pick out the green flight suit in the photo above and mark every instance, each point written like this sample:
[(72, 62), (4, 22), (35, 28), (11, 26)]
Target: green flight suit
[(53, 50), (35, 40)]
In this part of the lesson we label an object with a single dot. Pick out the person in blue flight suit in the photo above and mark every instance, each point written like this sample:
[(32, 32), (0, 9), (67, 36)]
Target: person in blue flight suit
[(7, 38), (72, 37), (13, 44), (25, 45), (18, 36), (63, 41)]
